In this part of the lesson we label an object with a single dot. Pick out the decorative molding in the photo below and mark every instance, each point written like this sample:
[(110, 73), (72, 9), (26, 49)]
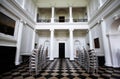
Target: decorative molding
[(52, 30), (100, 10), (7, 37), (26, 53), (71, 29), (104, 11), (113, 34), (117, 16), (18, 11)]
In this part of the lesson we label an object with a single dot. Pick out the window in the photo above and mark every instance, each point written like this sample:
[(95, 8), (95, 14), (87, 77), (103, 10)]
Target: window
[(7, 24), (96, 43)]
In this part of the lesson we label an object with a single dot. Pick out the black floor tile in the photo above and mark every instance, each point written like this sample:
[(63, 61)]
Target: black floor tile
[(61, 69)]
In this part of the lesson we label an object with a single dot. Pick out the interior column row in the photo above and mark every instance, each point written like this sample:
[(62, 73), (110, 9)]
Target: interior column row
[(53, 14), (52, 44)]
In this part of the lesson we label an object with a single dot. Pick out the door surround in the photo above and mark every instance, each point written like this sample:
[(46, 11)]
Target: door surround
[(64, 48), (61, 50)]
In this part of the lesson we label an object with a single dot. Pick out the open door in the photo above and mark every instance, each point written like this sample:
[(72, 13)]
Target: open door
[(61, 18), (61, 50)]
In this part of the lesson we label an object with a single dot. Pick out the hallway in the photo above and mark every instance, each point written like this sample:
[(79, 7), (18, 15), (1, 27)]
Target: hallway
[(61, 69)]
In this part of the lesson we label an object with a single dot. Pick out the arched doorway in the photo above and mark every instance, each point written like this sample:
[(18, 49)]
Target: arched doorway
[(76, 47)]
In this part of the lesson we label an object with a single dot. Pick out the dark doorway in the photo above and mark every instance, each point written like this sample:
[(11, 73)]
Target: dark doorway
[(7, 58), (61, 50), (61, 18)]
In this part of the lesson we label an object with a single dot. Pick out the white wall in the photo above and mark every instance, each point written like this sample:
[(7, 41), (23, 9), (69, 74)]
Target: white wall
[(87, 41), (110, 19), (56, 46), (43, 36), (13, 10), (5, 39), (79, 13), (61, 36), (62, 12), (114, 36), (44, 13), (106, 15), (93, 7), (37, 39), (79, 36), (115, 47), (26, 43), (20, 2), (96, 33), (30, 7), (61, 3)]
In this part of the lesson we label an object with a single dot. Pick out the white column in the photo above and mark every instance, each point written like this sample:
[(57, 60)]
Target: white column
[(101, 3), (17, 60), (53, 13), (71, 44), (90, 40), (35, 15), (33, 40), (106, 46), (88, 13), (23, 4), (51, 43), (70, 14)]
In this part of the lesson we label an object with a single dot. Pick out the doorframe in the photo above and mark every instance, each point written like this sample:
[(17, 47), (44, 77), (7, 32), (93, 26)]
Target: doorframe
[(65, 47), (62, 17)]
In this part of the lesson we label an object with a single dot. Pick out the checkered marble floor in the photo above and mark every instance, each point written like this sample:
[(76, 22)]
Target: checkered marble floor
[(61, 69)]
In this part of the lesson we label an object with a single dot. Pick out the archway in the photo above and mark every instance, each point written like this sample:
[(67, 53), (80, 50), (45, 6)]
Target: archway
[(76, 47), (47, 45)]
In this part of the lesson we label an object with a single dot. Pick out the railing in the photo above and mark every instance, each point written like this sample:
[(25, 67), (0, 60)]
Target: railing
[(60, 20), (44, 20), (64, 20), (80, 20)]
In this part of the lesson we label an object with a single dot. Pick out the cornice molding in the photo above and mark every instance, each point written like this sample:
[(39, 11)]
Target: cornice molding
[(18, 11), (104, 11)]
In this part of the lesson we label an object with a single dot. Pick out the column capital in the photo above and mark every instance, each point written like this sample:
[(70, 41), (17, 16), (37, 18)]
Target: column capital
[(51, 29), (21, 20), (70, 6), (71, 29), (52, 7)]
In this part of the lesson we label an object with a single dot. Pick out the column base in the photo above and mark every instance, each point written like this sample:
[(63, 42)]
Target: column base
[(107, 64), (71, 20), (17, 63), (52, 20), (71, 58), (51, 58)]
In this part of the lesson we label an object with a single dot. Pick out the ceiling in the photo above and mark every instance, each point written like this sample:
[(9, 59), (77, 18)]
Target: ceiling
[(61, 3)]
